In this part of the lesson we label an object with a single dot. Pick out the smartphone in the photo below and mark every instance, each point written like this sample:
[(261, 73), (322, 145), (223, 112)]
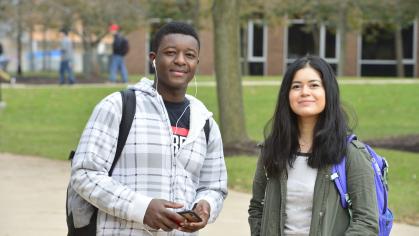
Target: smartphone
[(190, 216)]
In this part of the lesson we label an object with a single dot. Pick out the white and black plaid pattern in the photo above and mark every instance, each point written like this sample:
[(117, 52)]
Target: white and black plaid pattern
[(147, 166)]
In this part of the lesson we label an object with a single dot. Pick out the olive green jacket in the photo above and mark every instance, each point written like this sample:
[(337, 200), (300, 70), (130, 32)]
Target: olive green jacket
[(267, 206)]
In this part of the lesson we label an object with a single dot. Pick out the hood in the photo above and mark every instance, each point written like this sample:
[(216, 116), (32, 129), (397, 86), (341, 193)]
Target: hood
[(145, 85)]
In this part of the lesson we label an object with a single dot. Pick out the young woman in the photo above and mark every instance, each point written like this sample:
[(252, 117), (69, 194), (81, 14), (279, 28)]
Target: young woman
[(292, 190)]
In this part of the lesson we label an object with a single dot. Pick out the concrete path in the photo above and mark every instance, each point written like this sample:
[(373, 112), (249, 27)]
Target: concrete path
[(32, 201)]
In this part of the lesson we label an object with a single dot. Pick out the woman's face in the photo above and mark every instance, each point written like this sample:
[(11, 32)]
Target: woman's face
[(307, 96)]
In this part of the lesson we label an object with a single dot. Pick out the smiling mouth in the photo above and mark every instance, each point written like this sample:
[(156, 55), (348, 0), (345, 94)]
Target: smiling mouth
[(306, 102), (178, 72)]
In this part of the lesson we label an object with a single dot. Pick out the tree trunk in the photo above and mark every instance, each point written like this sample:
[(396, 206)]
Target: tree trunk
[(342, 29), (196, 15), (31, 53), (87, 59), (90, 62), (19, 38), (315, 32), (19, 51), (44, 49), (227, 72), (244, 46), (399, 51)]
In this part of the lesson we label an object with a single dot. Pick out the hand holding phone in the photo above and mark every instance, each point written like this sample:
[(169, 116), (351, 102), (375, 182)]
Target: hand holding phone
[(190, 216), (197, 218)]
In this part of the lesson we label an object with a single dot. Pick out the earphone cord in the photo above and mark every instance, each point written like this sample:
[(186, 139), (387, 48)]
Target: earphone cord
[(196, 92), (157, 77)]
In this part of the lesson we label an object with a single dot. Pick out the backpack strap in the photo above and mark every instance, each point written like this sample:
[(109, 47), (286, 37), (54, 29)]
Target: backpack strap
[(339, 177), (207, 130), (128, 112), (380, 167)]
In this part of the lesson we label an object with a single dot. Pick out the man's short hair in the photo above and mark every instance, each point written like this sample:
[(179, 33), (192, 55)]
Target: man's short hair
[(64, 31), (174, 27)]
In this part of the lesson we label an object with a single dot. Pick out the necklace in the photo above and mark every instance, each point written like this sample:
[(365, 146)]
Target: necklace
[(302, 144), (304, 147)]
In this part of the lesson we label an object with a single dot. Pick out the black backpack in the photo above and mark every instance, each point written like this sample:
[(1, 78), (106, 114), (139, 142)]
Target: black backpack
[(128, 112), (124, 46)]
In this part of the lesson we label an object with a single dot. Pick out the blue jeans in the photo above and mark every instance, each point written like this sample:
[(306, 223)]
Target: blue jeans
[(65, 67), (118, 63)]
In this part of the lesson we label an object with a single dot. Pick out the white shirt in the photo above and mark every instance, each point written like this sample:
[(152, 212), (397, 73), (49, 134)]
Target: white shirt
[(299, 203)]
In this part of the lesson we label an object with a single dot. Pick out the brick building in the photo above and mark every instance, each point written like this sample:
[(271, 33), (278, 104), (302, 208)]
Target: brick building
[(271, 48)]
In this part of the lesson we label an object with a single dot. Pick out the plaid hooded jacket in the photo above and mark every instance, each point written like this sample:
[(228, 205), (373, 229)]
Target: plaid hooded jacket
[(147, 168)]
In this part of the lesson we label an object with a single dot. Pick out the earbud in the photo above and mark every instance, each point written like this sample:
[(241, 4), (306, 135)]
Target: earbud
[(154, 63)]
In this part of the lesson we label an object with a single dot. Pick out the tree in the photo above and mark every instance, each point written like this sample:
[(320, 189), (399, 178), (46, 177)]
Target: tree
[(393, 15), (228, 76), (340, 15), (90, 21), (48, 12), (179, 10), (13, 10)]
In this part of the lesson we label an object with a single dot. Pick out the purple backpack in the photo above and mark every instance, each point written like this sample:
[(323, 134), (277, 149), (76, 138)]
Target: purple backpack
[(380, 167)]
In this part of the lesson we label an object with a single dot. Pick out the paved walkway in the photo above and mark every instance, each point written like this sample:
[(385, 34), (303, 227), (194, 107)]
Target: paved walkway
[(32, 201)]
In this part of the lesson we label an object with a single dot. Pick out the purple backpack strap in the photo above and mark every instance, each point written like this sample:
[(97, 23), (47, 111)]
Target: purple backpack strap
[(379, 164), (339, 177)]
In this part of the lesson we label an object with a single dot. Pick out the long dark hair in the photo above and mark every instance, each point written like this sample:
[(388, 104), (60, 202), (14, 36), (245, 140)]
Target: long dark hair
[(281, 133)]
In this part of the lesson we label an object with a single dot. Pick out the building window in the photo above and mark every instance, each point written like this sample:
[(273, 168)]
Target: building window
[(256, 47), (330, 44), (378, 55), (302, 39), (300, 42)]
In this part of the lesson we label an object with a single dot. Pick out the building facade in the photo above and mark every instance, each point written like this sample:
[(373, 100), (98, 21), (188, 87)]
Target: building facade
[(269, 49), (266, 50)]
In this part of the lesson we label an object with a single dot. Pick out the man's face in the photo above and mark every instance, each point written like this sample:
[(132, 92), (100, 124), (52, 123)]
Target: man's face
[(176, 61)]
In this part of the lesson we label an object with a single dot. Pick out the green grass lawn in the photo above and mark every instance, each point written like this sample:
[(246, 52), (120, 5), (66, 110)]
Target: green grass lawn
[(48, 121)]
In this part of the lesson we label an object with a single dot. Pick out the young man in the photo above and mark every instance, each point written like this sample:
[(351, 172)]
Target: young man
[(119, 50), (168, 163), (66, 48)]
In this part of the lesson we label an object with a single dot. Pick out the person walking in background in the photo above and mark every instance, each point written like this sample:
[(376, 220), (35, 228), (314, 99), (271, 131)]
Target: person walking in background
[(120, 48), (3, 66), (3, 59), (66, 67), (293, 193), (172, 160)]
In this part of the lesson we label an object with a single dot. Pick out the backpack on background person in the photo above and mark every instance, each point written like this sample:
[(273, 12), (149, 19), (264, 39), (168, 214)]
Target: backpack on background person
[(121, 45), (124, 46)]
